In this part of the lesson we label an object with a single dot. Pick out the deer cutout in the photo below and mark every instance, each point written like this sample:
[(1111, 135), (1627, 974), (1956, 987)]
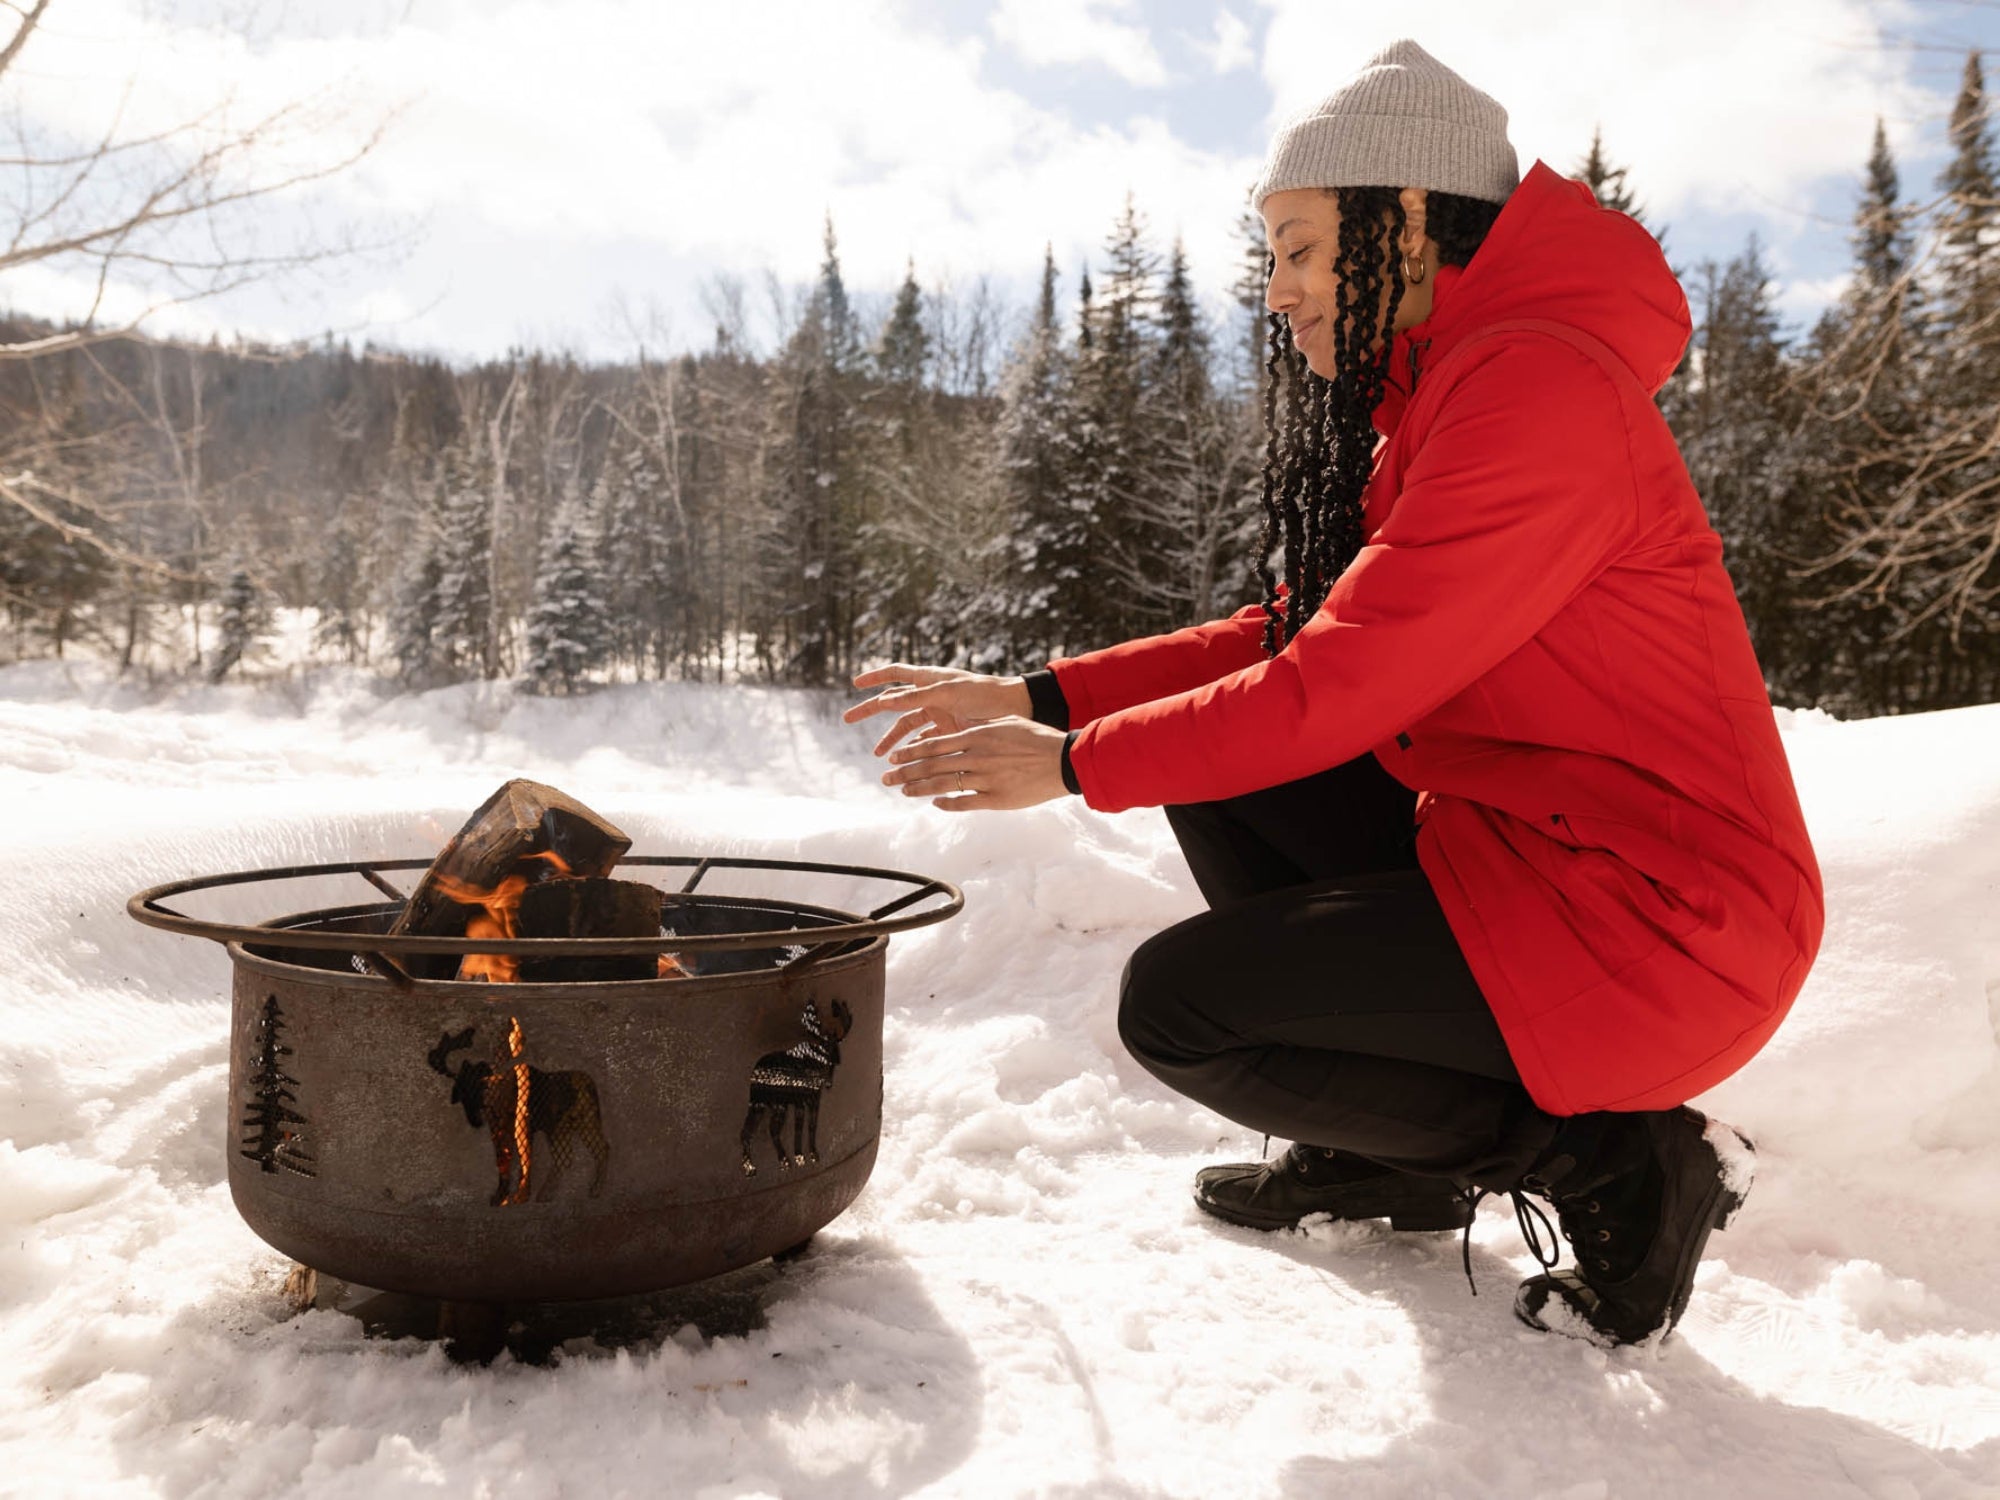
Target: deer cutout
[(789, 1084), (562, 1109)]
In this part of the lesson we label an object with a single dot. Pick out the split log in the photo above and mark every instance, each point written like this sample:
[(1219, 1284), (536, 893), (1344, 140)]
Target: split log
[(588, 909), (524, 829)]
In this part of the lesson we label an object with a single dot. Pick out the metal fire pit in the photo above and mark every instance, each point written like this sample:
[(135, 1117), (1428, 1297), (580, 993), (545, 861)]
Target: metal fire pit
[(551, 1142)]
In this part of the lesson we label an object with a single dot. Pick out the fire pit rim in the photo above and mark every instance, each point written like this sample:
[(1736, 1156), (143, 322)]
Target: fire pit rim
[(146, 907), (825, 955)]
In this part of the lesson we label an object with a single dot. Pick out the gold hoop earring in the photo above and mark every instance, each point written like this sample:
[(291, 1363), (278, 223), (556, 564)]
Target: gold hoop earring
[(1416, 277)]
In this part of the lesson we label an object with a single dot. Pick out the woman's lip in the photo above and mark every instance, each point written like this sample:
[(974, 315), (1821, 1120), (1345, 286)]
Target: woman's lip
[(1300, 330)]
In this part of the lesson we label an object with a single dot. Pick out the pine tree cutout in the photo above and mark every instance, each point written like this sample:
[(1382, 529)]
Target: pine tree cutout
[(274, 1132)]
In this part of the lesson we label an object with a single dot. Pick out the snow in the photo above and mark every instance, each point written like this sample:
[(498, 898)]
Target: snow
[(1024, 1301)]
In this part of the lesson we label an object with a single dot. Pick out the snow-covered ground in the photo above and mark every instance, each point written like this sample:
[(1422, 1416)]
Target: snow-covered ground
[(1024, 1301)]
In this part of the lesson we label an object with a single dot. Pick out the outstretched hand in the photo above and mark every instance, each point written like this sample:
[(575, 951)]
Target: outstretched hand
[(1007, 763), (931, 701), (965, 739)]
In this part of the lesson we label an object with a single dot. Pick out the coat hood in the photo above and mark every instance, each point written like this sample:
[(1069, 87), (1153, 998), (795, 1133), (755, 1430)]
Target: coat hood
[(1553, 253)]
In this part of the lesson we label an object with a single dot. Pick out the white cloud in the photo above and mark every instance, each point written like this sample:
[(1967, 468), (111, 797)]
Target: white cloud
[(1081, 31), (1713, 104), (1228, 47), (567, 150), (548, 133)]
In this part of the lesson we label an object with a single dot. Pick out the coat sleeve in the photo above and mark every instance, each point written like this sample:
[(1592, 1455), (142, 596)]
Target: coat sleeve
[(1158, 666), (1521, 492)]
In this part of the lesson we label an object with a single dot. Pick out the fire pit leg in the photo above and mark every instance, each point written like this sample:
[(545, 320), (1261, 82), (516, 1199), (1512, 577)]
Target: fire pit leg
[(473, 1332), (301, 1288), (794, 1252)]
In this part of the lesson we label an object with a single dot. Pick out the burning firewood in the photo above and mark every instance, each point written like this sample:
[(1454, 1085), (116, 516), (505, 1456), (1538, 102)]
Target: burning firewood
[(521, 836)]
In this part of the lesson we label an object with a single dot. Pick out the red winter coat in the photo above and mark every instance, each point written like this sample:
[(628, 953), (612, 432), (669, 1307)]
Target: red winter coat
[(1538, 636)]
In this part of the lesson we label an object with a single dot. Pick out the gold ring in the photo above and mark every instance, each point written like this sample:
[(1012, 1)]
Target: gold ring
[(961, 781)]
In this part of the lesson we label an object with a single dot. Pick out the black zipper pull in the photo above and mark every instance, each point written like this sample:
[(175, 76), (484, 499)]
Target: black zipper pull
[(1417, 347)]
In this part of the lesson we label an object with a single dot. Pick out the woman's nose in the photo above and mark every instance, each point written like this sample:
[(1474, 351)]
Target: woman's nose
[(1279, 294)]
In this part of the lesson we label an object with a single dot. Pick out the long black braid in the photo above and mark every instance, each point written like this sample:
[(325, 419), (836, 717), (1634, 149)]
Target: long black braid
[(1319, 437)]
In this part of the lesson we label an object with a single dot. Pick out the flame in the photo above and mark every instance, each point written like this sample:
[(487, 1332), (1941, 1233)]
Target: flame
[(520, 1193), (671, 967), (498, 910)]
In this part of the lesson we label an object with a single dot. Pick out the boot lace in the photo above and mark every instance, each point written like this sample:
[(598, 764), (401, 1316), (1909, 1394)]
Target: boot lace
[(1535, 1227)]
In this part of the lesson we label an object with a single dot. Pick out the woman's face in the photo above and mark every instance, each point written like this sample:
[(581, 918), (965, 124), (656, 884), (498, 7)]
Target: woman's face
[(1302, 227)]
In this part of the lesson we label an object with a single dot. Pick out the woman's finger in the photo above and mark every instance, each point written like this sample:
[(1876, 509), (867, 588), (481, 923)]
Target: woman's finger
[(882, 702), (901, 671), (952, 784), (928, 748), (948, 766), (915, 719)]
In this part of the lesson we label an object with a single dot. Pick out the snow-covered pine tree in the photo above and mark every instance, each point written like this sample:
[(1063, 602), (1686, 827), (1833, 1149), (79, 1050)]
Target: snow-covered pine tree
[(1117, 445), (1740, 432), (1942, 543), (413, 615), (1196, 511), (460, 628), (242, 621), (342, 589), (1040, 561), (1969, 222), (569, 623), (903, 518), (1865, 416)]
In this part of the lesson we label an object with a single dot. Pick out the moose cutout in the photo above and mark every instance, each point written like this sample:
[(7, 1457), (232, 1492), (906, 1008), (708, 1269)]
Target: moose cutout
[(788, 1085), (562, 1109)]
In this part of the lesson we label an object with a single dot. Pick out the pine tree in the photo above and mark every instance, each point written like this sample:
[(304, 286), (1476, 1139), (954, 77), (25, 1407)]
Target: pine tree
[(811, 508), (1609, 183), (834, 314), (1196, 523), (460, 629), (1116, 445), (1252, 280), (1942, 548), (569, 624), (243, 621), (413, 617), (341, 587), (273, 1130), (1881, 224), (1740, 433), (1864, 420), (1970, 232), (902, 354), (1041, 570), (1606, 181)]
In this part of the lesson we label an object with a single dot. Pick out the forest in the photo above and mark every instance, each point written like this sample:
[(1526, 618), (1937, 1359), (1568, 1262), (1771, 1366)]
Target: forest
[(952, 480)]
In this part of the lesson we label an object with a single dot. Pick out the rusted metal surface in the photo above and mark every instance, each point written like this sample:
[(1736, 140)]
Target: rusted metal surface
[(550, 1142)]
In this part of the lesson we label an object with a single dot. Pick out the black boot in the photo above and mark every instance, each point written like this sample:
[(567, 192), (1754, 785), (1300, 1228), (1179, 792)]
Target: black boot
[(1309, 1180), (1636, 1196)]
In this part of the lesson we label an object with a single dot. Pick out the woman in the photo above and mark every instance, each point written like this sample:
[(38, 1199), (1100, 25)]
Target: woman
[(1502, 853)]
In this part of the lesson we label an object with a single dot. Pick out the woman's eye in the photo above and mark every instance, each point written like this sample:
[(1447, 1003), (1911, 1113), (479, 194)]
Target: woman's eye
[(1294, 256)]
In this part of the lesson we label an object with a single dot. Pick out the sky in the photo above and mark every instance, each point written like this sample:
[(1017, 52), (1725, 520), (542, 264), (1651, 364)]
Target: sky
[(576, 174)]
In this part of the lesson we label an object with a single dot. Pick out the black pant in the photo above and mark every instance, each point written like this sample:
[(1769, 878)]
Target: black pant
[(1322, 997)]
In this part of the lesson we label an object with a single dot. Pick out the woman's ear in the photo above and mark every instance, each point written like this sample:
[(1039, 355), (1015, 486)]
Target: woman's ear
[(1416, 203)]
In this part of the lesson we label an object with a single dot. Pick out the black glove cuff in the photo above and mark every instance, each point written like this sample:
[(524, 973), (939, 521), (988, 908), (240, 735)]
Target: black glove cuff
[(1068, 770)]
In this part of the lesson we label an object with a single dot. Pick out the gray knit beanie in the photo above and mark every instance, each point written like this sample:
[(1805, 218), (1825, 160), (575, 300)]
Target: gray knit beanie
[(1405, 120)]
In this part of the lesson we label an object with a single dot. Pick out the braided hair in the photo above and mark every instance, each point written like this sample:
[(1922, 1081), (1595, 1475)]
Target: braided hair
[(1319, 436)]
